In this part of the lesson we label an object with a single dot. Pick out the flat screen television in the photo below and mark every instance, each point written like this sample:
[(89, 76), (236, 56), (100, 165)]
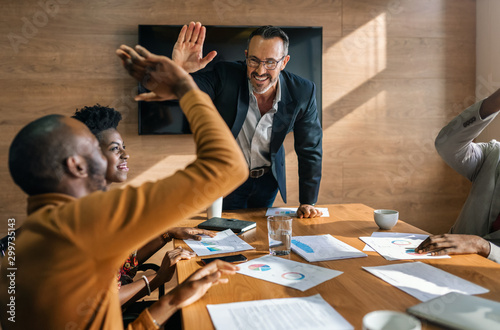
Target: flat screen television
[(230, 42)]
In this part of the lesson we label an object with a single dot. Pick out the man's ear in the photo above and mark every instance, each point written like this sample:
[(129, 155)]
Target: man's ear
[(77, 166), (285, 61)]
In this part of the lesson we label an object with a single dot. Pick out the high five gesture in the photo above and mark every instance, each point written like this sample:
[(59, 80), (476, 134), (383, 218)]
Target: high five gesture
[(188, 50)]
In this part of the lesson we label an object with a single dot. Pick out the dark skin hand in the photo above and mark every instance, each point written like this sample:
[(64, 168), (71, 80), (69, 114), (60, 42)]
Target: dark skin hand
[(490, 105), (159, 74), (189, 233), (192, 289), (438, 245)]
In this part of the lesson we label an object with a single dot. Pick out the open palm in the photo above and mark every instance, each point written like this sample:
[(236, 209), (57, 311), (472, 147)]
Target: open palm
[(188, 50)]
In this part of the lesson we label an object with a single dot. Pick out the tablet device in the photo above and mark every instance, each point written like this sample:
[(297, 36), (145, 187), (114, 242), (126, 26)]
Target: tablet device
[(237, 226), (460, 311)]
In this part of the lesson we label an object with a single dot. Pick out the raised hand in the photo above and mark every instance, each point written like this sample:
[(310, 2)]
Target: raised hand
[(188, 50), (159, 74)]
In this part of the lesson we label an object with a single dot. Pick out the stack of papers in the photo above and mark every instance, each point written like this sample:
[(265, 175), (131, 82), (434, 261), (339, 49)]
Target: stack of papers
[(292, 211), (323, 247), (399, 247), (286, 272), (424, 281), (224, 242), (280, 314)]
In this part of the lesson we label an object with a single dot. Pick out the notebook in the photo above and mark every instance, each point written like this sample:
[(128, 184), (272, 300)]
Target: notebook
[(460, 311), (237, 226)]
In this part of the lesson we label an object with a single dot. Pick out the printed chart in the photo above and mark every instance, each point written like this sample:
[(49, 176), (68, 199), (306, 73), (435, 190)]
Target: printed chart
[(259, 267), (224, 242), (323, 247), (293, 276), (286, 272), (424, 281), (395, 236), (398, 248)]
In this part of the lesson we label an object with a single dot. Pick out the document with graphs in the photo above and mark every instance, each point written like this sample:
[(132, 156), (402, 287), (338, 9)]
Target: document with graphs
[(323, 247), (224, 242)]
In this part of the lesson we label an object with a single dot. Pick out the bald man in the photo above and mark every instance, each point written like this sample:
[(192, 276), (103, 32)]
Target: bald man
[(76, 236)]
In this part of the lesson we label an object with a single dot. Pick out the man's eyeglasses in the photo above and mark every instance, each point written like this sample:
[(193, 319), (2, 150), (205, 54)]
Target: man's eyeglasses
[(254, 62)]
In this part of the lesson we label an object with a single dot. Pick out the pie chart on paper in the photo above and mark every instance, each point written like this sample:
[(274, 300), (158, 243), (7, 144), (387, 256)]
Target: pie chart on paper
[(259, 267)]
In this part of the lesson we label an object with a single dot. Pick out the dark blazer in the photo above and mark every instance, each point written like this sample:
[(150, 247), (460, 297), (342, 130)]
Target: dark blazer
[(227, 85)]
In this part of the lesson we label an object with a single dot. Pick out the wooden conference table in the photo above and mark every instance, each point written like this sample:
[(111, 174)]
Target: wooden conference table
[(354, 293)]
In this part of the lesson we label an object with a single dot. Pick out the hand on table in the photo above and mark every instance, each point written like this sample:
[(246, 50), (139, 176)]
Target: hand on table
[(200, 281), (172, 257), (189, 233), (159, 74), (454, 244), (308, 211), (192, 289), (188, 50)]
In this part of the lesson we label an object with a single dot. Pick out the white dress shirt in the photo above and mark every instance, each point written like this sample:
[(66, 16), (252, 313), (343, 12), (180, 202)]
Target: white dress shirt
[(254, 137)]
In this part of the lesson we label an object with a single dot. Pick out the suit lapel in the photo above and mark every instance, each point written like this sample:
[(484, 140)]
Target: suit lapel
[(241, 108), (282, 117)]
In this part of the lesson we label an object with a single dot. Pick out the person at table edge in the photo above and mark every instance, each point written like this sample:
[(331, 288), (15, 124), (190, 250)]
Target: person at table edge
[(76, 237), (261, 103), (477, 229)]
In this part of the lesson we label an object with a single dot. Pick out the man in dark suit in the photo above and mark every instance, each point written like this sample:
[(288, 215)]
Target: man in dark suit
[(261, 103)]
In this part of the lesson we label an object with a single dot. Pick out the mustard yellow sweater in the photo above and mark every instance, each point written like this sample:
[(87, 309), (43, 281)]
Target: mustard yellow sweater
[(68, 253)]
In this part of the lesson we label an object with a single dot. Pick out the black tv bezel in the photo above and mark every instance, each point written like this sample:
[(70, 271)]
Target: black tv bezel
[(185, 124)]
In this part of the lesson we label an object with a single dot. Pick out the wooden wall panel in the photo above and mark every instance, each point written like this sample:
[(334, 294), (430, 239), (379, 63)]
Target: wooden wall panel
[(394, 72)]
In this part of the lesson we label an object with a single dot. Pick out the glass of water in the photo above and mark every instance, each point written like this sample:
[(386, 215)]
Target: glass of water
[(279, 232)]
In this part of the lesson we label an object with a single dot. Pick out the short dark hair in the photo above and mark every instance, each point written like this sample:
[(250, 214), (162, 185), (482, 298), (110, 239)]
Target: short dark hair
[(269, 32), (37, 154), (98, 118)]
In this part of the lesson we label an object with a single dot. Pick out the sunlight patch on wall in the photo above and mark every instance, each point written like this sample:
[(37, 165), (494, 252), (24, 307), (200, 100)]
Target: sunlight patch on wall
[(356, 58), (163, 168), (363, 118)]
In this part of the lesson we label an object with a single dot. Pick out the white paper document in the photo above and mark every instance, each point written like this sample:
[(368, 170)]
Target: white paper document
[(292, 211), (398, 248), (278, 314), (424, 281), (286, 272), (394, 235), (323, 247), (224, 242)]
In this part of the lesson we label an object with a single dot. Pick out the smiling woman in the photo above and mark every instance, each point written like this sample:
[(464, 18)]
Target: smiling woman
[(113, 148), (102, 122)]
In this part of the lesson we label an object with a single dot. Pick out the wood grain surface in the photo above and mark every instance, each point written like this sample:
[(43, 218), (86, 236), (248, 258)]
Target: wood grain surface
[(353, 293)]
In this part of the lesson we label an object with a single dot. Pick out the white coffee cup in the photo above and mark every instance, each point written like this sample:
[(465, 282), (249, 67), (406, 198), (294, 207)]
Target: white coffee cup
[(386, 219), (215, 210), (390, 320)]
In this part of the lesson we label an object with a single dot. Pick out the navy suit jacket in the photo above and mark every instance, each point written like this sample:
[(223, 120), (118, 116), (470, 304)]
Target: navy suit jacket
[(227, 86)]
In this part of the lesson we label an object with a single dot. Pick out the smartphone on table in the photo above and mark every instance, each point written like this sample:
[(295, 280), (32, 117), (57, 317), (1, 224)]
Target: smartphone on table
[(234, 258)]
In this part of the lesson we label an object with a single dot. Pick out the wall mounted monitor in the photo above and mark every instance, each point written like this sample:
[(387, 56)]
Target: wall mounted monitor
[(230, 42)]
